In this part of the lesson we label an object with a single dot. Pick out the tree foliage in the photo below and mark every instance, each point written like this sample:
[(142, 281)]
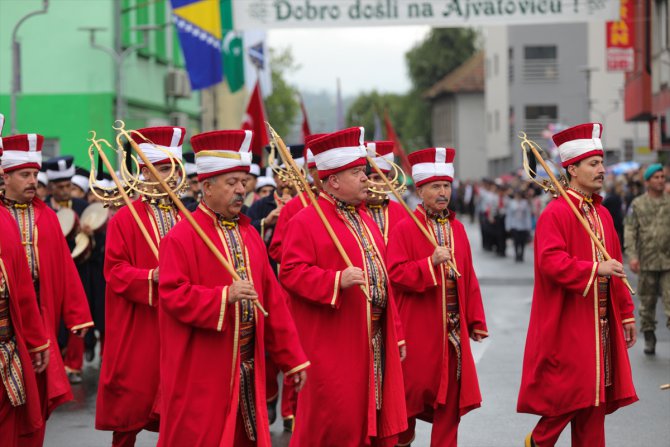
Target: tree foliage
[(443, 50), (282, 106), (406, 113)]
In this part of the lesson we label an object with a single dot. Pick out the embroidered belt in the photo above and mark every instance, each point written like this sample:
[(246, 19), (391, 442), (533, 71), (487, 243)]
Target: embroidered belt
[(247, 332), (452, 296), (378, 359), (6, 329), (603, 298), (11, 373), (247, 404)]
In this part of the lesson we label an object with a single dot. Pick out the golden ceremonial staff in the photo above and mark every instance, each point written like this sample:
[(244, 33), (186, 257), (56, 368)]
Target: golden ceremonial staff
[(397, 195), (185, 212), (555, 186), (101, 153), (291, 166)]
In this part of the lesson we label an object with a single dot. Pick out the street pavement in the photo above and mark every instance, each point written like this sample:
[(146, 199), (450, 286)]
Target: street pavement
[(507, 290)]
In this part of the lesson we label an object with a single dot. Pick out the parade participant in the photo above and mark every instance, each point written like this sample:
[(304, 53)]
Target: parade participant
[(54, 276), (265, 186), (191, 197), (289, 398), (647, 242), (576, 368), (440, 311), (297, 203), (354, 399), (386, 213), (213, 340), (79, 182), (252, 177), (128, 386), (23, 342), (60, 171), (42, 190)]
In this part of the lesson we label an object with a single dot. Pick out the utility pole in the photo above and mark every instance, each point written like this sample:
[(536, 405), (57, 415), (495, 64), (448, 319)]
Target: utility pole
[(16, 62), (119, 57)]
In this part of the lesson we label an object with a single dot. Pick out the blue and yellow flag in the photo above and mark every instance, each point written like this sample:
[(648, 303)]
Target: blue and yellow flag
[(198, 23)]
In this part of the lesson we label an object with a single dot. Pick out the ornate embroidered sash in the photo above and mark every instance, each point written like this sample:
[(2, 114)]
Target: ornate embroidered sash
[(247, 405)]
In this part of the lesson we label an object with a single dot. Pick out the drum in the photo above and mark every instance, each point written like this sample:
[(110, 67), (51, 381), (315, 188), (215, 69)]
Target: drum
[(68, 222), (82, 248), (94, 216)]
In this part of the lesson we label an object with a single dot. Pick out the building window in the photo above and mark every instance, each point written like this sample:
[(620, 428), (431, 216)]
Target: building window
[(50, 148), (495, 65), (510, 64), (537, 118), (540, 63), (497, 120), (511, 123)]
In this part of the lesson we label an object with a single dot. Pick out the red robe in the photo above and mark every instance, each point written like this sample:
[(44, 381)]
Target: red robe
[(61, 297), (337, 405), (128, 384), (199, 331), (562, 366), (293, 207), (394, 213), (29, 330), (419, 287)]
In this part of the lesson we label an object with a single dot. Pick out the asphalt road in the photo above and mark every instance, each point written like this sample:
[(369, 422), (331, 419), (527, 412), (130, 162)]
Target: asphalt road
[(507, 290)]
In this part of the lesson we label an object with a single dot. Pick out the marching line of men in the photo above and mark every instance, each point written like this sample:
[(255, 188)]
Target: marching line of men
[(384, 339)]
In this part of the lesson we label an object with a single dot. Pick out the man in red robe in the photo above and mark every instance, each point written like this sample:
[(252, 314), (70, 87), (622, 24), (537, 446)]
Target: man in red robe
[(576, 366), (346, 316), (58, 288), (385, 212), (213, 338), (440, 311), (289, 398), (24, 344), (128, 385)]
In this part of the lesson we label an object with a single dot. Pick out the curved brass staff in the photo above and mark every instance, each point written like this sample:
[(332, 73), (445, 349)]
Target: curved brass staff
[(397, 195), (291, 165), (529, 145), (122, 192), (148, 189), (397, 179), (286, 174), (185, 212)]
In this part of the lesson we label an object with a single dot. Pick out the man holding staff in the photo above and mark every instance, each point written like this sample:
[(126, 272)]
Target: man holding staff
[(213, 338), (576, 368), (439, 310), (57, 286), (344, 310), (128, 385)]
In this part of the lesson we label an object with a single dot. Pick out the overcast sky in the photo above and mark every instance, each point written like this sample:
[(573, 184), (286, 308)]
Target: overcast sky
[(363, 58)]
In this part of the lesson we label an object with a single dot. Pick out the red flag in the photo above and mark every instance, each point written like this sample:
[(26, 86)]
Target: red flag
[(397, 145), (306, 131), (254, 120)]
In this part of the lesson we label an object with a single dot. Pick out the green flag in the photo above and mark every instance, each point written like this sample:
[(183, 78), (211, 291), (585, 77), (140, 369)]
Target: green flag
[(232, 49)]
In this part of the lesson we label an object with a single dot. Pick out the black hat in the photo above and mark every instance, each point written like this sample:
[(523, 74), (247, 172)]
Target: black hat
[(60, 168)]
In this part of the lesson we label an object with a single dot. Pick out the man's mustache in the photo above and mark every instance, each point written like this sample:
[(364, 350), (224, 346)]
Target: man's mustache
[(237, 198), (599, 177)]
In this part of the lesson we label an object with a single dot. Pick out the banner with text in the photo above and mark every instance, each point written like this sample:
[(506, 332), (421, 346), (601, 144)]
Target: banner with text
[(620, 35), (255, 14)]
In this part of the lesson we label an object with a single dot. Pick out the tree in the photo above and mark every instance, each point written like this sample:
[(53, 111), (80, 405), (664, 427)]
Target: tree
[(282, 106), (443, 50)]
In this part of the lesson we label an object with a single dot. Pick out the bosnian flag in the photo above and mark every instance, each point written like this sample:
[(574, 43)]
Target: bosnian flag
[(198, 24)]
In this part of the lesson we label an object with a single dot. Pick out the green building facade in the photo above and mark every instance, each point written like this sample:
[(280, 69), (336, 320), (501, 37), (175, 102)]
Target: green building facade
[(67, 87)]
